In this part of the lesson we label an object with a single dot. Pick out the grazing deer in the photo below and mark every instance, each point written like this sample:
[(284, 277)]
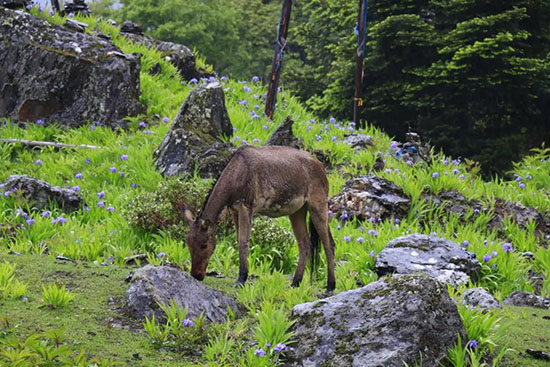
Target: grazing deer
[(272, 181)]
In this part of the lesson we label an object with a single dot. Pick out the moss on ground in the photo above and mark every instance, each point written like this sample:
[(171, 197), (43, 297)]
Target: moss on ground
[(527, 329), (95, 319)]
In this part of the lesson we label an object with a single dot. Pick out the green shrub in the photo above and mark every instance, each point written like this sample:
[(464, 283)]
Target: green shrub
[(56, 297)]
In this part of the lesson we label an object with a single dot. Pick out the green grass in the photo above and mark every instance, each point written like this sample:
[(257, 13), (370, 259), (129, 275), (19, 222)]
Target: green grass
[(105, 232)]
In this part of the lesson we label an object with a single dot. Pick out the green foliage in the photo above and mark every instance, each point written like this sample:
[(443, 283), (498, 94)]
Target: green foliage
[(178, 333), (163, 209), (56, 297), (10, 288)]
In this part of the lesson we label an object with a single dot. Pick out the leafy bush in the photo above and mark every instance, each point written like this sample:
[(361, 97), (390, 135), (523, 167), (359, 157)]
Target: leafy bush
[(163, 209), (10, 288), (56, 297)]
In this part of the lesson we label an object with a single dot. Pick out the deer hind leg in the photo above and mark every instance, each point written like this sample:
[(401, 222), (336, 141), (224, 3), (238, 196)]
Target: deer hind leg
[(243, 216), (298, 222), (319, 218)]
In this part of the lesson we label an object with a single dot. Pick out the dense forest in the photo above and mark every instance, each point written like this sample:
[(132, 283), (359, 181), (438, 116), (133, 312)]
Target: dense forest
[(472, 77)]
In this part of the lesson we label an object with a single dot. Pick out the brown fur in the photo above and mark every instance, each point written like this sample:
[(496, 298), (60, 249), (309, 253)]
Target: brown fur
[(272, 181)]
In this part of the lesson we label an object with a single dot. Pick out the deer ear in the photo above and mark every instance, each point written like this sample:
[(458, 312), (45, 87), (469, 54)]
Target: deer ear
[(204, 224), (188, 216)]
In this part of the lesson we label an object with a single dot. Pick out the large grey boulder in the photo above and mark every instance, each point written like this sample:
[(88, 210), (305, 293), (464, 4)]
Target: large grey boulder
[(403, 319), (523, 298), (179, 55), (370, 197), (40, 194), (194, 139), (53, 74), (440, 258), (480, 298), (153, 285)]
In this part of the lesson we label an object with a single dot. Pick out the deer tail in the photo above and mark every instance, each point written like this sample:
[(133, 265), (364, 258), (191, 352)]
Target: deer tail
[(314, 238)]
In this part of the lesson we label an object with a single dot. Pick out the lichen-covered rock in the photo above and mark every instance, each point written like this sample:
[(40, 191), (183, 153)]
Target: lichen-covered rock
[(523, 298), (480, 298), (440, 258), (370, 197), (40, 193), (57, 75), (179, 55), (522, 215), (360, 141), (151, 285), (455, 203), (284, 136), (194, 140), (403, 319)]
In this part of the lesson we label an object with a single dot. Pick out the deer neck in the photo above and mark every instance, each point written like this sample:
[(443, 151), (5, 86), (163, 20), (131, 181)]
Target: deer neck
[(217, 201)]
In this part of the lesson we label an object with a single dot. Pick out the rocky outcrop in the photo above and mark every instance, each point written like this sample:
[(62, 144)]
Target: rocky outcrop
[(151, 285), (522, 215), (358, 141), (179, 55), (404, 319), (370, 198), (523, 298), (51, 73), (284, 136), (440, 258), (480, 298), (40, 194), (194, 139)]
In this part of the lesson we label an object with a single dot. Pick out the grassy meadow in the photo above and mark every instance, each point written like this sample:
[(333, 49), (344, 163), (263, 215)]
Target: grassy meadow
[(65, 313)]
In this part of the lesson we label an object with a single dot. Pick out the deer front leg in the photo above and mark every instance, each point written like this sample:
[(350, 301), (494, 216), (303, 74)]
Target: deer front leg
[(243, 235)]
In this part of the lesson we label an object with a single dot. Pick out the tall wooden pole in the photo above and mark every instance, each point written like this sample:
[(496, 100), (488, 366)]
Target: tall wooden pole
[(55, 5), (277, 59), (359, 57)]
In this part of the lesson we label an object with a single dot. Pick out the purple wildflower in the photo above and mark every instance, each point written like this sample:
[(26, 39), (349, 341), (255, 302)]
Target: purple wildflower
[(243, 102), (359, 239), (133, 185), (334, 138), (166, 119), (246, 88), (371, 253), (124, 157), (435, 175), (193, 81), (347, 239), (87, 160), (142, 124), (259, 352), (101, 195), (121, 174), (30, 221), (507, 247), (30, 6), (51, 12), (161, 255), (111, 208), (473, 344), (46, 214), (59, 220), (76, 188), (255, 79), (486, 258), (101, 204), (40, 122), (38, 162), (521, 185), (465, 243), (332, 120), (279, 348), (187, 323), (112, 169), (372, 232), (78, 176)]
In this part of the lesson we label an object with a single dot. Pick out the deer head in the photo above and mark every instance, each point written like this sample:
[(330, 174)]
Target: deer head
[(201, 241)]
